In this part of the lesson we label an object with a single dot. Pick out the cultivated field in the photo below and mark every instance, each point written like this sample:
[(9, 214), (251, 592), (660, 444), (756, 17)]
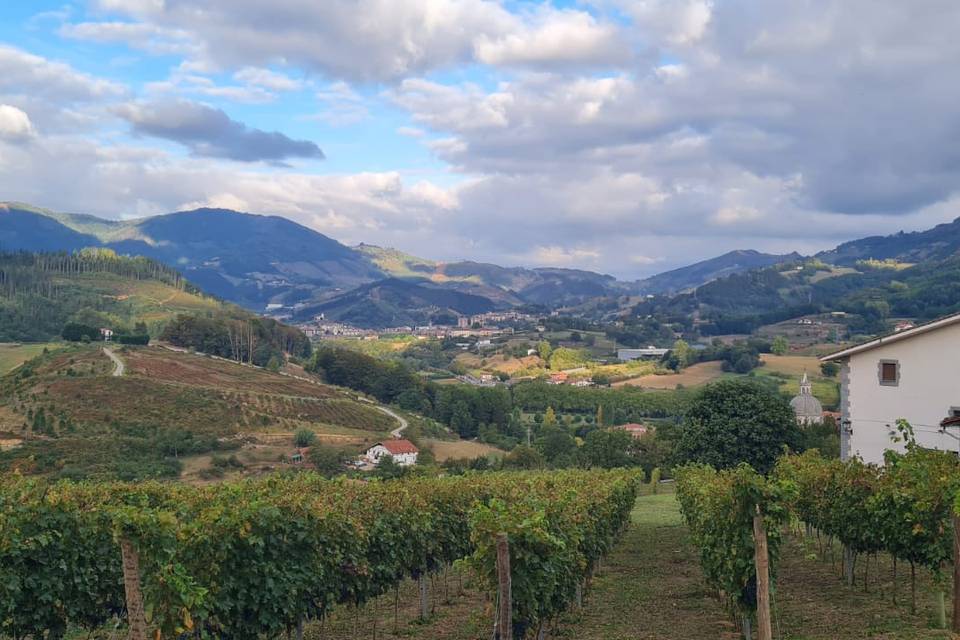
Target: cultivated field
[(693, 376), (447, 449)]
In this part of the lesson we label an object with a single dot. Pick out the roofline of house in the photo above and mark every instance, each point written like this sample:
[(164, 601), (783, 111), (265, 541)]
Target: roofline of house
[(890, 338)]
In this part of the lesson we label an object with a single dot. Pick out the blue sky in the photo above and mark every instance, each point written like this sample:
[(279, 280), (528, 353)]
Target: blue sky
[(624, 136)]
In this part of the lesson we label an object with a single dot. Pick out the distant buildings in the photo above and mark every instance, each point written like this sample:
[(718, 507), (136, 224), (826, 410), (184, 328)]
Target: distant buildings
[(910, 374), (403, 452), (650, 352), (635, 430)]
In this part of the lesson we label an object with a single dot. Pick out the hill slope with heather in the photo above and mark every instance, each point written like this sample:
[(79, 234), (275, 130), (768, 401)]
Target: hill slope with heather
[(69, 415)]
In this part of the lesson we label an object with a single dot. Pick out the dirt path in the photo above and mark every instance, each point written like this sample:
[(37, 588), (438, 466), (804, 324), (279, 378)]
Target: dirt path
[(119, 367), (398, 432)]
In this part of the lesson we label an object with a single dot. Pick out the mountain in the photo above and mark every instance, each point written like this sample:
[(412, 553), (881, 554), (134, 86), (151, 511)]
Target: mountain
[(697, 274), (504, 285), (938, 243), (395, 302), (248, 259)]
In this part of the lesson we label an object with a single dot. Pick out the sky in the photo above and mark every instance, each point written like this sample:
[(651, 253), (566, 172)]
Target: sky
[(621, 136)]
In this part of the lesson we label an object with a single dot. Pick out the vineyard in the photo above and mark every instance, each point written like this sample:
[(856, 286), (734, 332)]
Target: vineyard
[(906, 509), (259, 558)]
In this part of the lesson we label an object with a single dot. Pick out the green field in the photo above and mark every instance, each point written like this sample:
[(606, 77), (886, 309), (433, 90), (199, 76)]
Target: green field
[(13, 354)]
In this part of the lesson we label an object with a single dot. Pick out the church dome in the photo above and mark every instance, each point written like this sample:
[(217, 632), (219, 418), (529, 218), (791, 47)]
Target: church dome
[(805, 405)]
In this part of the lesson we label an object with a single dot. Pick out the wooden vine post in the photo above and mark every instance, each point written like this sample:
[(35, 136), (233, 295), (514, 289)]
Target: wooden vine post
[(504, 597), (762, 562), (136, 619), (956, 573)]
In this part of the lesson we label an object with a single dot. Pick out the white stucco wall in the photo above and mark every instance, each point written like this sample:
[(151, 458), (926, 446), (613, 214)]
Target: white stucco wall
[(378, 451), (928, 388)]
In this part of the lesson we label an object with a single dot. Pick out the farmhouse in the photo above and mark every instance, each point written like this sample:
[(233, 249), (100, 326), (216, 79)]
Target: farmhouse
[(910, 374), (106, 334), (635, 430), (403, 452)]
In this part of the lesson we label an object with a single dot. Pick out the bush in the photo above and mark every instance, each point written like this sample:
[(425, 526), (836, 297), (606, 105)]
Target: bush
[(304, 437)]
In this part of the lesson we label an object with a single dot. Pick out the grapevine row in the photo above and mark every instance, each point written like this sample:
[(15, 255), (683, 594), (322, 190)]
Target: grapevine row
[(248, 559), (906, 508)]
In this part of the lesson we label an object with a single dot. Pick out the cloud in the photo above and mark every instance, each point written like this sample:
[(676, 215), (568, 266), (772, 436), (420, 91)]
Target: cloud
[(378, 40), (137, 35), (342, 105), (15, 125), (23, 73), (209, 132), (556, 39), (267, 79)]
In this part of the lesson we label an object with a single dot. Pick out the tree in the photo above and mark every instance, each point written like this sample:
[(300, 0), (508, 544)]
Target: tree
[(544, 349), (328, 461), (683, 353), (734, 421), (780, 346), (76, 332), (607, 448), (523, 457), (599, 415), (387, 469), (600, 379), (557, 445), (830, 369), (549, 418), (304, 437)]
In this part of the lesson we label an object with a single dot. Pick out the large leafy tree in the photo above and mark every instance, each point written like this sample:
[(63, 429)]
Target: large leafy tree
[(734, 421), (607, 448)]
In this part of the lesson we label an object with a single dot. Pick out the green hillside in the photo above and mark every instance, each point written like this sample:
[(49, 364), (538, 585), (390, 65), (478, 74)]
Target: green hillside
[(41, 292), (66, 413)]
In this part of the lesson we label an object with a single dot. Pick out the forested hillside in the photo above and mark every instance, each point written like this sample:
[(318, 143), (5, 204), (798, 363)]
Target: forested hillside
[(41, 292)]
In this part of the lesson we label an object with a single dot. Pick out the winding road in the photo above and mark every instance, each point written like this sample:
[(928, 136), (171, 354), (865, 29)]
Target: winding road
[(119, 367), (398, 432)]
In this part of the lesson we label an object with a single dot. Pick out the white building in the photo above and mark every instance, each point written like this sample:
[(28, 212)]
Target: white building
[(636, 354), (911, 374), (805, 405), (404, 452)]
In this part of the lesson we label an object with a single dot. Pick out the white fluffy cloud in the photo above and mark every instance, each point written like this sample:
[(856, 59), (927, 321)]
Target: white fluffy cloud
[(364, 39), (15, 125)]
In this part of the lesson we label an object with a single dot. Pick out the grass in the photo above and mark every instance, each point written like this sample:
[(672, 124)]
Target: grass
[(693, 376), (652, 587), (446, 449), (13, 354)]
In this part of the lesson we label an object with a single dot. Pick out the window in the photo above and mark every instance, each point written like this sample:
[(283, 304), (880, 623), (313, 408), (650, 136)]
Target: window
[(954, 412), (889, 373)]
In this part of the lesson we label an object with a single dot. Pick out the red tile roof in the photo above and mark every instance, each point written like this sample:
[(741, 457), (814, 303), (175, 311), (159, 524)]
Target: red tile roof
[(396, 447)]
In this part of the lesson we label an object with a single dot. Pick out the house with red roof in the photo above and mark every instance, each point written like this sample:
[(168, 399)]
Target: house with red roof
[(403, 452)]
